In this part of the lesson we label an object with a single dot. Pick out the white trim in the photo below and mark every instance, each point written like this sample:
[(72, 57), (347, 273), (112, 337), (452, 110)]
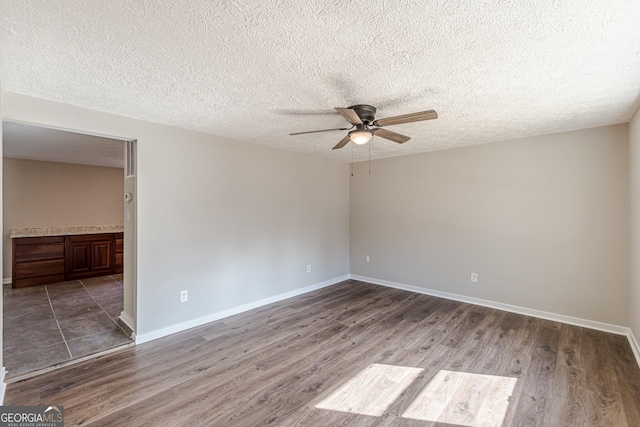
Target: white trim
[(3, 385), (6, 280), (585, 323), (159, 333), (69, 363), (127, 320), (66, 129), (634, 345)]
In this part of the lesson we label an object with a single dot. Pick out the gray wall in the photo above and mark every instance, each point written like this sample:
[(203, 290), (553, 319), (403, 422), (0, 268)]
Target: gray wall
[(230, 222), (634, 160), (543, 221)]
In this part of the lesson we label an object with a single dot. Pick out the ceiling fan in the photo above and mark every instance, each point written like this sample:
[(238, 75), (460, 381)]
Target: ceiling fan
[(363, 116)]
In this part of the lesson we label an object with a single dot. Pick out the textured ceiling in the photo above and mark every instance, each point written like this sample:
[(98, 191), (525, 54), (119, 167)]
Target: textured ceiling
[(257, 70), (20, 141)]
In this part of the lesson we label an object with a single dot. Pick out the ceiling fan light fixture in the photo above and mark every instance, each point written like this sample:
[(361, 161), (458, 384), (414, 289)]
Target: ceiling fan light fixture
[(360, 136)]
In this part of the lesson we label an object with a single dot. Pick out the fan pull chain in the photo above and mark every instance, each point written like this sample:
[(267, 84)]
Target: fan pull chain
[(369, 157), (351, 159)]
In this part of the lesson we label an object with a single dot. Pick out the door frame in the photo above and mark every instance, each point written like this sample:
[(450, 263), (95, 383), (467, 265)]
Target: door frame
[(129, 315)]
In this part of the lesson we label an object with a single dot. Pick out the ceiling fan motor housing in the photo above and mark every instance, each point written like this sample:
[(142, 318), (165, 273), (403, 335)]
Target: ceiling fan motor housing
[(366, 113)]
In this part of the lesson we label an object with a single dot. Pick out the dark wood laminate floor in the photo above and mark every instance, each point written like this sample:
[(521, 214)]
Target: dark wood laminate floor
[(360, 355), (48, 325)]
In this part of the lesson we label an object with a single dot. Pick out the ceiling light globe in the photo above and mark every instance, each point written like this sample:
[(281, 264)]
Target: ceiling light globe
[(360, 136)]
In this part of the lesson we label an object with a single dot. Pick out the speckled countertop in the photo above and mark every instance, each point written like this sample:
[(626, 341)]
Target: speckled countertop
[(65, 231)]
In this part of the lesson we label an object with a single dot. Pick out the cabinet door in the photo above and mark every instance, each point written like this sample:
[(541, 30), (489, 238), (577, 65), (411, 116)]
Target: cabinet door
[(79, 258), (90, 255), (101, 256)]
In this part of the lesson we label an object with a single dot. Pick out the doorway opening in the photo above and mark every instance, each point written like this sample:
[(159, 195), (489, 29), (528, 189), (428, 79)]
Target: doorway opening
[(69, 248)]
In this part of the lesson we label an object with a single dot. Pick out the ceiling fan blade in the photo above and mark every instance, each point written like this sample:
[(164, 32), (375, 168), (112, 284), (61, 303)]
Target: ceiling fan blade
[(393, 136), (407, 118), (315, 131), (294, 112), (349, 114), (342, 143)]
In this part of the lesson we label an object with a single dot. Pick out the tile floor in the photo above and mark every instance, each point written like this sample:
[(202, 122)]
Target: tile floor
[(48, 325)]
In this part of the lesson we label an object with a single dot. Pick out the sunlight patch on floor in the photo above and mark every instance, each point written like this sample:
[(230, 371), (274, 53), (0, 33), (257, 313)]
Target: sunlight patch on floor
[(464, 399), (372, 391)]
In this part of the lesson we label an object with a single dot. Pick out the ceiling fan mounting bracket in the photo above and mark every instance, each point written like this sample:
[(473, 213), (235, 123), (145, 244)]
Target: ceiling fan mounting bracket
[(366, 113)]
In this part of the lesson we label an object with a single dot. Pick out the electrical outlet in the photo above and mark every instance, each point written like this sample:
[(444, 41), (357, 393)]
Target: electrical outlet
[(309, 268), (474, 277), (184, 296), (366, 258)]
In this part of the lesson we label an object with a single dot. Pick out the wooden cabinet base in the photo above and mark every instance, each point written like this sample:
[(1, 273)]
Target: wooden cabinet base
[(46, 260), (119, 253), (37, 281)]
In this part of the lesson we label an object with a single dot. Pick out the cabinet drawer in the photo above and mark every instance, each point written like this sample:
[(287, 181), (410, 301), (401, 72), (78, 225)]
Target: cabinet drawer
[(39, 252), (38, 268), (90, 238), (38, 240)]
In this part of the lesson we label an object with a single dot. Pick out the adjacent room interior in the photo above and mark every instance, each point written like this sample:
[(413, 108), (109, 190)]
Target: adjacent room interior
[(57, 310), (430, 219)]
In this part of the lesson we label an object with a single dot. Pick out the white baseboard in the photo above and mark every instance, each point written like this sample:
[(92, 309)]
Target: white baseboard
[(6, 280), (127, 320), (585, 323), (159, 333), (634, 345), (3, 385)]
